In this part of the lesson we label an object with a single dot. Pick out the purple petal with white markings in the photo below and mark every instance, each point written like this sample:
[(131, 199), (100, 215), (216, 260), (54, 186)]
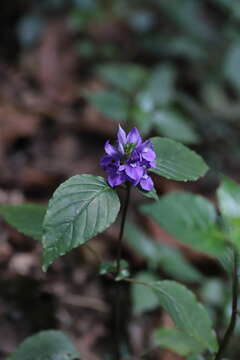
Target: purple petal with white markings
[(146, 183), (135, 172)]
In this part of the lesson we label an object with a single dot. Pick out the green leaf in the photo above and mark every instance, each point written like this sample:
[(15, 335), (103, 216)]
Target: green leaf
[(229, 199), (190, 18), (140, 20), (80, 208), (232, 64), (188, 315), (142, 119), (169, 259), (174, 264), (26, 218), (195, 357), (79, 19), (177, 45), (110, 267), (190, 218), (229, 203), (141, 243), (175, 161), (230, 5), (226, 259), (160, 88), (125, 77), (86, 48), (46, 345), (173, 124), (185, 47), (143, 298), (111, 104), (213, 292), (149, 194), (176, 341)]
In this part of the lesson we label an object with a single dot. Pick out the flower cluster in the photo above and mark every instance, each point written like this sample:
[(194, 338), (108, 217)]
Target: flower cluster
[(129, 160)]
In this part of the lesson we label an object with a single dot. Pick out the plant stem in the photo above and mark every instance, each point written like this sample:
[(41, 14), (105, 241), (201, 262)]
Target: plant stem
[(120, 238), (228, 334), (118, 268)]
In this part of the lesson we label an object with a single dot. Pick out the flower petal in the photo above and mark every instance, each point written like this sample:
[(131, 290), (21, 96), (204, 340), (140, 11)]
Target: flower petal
[(152, 164), (121, 135), (108, 160), (148, 154), (134, 137), (116, 179), (105, 160), (110, 150), (121, 148), (146, 183), (146, 150), (121, 167), (146, 143), (134, 171), (134, 157)]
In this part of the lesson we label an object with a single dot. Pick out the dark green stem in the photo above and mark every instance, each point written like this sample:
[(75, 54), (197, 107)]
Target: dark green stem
[(120, 238), (118, 269), (229, 332)]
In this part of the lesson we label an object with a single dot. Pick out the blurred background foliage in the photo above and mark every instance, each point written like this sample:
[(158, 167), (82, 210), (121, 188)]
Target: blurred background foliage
[(171, 67)]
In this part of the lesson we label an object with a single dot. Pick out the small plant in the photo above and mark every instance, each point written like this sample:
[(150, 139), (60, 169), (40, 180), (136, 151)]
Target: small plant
[(85, 205)]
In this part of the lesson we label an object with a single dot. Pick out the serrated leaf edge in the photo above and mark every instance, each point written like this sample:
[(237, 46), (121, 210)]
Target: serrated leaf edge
[(49, 209)]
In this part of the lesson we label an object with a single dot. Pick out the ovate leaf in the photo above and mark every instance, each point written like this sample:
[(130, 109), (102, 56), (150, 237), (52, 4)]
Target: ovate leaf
[(188, 315), (143, 298), (170, 260), (142, 118), (175, 161), (160, 87), (229, 202), (110, 103), (190, 18), (229, 199), (46, 345), (141, 243), (80, 208), (149, 194), (176, 265), (190, 218), (26, 218), (176, 341), (125, 77), (226, 259), (173, 124)]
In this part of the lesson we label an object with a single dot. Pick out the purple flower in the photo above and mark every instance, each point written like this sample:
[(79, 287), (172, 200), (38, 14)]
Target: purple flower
[(128, 160)]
